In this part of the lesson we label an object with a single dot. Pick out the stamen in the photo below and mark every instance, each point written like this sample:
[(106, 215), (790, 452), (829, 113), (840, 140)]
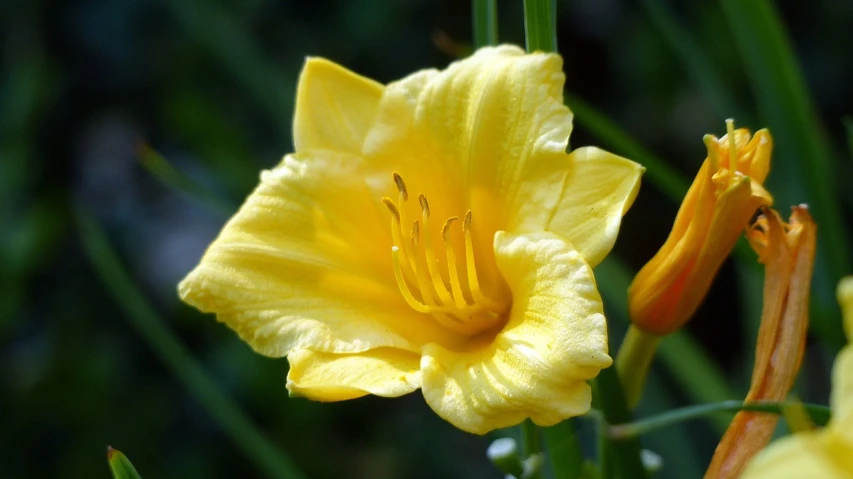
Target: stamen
[(730, 133), (419, 275), (424, 280), (452, 273), (404, 287), (473, 283), (432, 263), (397, 234)]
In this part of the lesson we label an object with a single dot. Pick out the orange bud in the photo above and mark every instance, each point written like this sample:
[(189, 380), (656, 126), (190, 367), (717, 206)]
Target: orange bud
[(718, 206), (787, 251)]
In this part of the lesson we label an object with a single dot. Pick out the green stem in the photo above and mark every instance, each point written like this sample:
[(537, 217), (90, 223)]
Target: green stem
[(485, 13), (540, 26), (820, 414), (619, 456), (530, 444), (564, 450), (633, 362), (254, 444)]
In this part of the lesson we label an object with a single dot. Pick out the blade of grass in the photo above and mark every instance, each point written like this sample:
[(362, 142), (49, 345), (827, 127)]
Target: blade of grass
[(485, 13), (698, 66), (164, 171), (848, 129), (254, 444), (540, 25), (658, 172), (785, 107), (120, 465)]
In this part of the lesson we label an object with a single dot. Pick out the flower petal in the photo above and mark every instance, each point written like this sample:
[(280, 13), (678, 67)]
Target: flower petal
[(306, 263), (470, 135), (334, 107), (537, 366), (794, 457), (841, 399), (597, 192), (384, 372)]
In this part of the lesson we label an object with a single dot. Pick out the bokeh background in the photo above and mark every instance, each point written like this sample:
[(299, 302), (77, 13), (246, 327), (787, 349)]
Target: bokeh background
[(131, 129)]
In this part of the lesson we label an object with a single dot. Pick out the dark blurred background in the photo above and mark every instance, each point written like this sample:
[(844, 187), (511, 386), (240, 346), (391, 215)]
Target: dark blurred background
[(104, 103)]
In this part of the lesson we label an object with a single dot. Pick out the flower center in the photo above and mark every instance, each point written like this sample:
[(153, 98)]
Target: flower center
[(453, 297)]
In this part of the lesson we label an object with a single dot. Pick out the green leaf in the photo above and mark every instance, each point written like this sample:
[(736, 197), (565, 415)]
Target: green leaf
[(540, 25), (694, 59), (801, 155), (139, 313), (120, 465), (485, 13)]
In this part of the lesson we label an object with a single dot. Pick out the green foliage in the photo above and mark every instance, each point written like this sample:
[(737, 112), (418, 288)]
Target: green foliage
[(120, 465)]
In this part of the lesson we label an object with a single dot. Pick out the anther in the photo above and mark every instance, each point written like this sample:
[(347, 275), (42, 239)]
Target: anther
[(401, 186), (392, 207), (445, 233), (424, 204)]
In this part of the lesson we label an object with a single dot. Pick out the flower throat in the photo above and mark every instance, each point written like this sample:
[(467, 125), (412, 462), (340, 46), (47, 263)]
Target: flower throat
[(455, 301)]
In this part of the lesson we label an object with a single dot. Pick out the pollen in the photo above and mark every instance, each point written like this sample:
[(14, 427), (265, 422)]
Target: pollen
[(451, 294)]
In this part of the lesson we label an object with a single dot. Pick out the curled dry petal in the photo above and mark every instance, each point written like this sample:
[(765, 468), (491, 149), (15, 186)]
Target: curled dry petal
[(787, 251), (826, 453)]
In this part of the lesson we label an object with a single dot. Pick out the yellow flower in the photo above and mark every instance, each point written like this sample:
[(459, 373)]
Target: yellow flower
[(787, 251), (432, 233), (718, 206), (825, 453)]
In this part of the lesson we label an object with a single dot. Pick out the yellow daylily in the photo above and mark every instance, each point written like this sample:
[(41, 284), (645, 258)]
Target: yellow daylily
[(787, 252), (723, 198), (826, 453), (432, 233)]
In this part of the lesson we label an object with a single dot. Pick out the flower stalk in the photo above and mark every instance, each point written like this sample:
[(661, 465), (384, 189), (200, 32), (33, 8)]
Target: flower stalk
[(818, 413), (634, 360)]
